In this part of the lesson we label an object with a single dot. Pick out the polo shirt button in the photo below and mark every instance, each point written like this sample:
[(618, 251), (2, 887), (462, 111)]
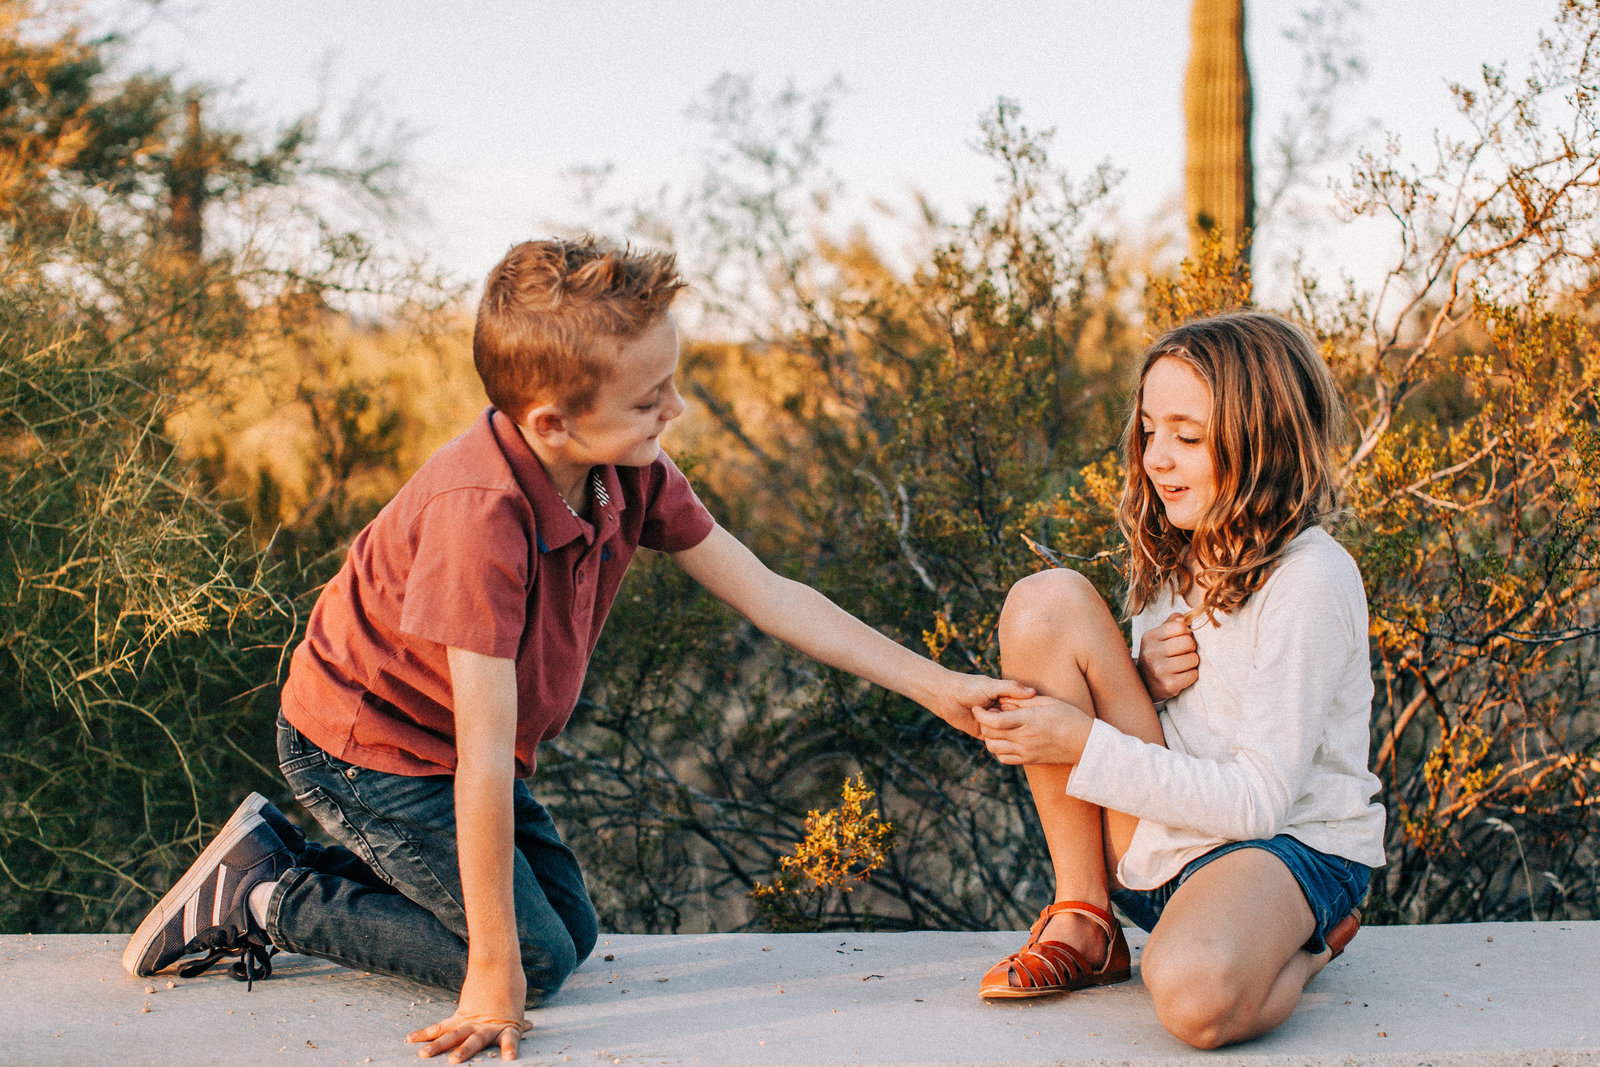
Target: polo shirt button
[(351, 773)]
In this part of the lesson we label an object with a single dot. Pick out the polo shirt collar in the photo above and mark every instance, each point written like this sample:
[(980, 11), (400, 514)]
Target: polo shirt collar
[(555, 525)]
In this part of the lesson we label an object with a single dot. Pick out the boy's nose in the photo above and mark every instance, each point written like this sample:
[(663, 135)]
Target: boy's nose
[(674, 405)]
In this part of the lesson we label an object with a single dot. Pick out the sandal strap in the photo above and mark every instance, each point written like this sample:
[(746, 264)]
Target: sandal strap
[(1056, 963), (1099, 916), (1048, 963)]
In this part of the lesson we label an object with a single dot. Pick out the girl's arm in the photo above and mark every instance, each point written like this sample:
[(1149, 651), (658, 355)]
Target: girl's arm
[(1309, 660)]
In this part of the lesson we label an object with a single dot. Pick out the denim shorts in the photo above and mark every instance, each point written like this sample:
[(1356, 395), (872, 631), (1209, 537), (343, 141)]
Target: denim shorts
[(1332, 885)]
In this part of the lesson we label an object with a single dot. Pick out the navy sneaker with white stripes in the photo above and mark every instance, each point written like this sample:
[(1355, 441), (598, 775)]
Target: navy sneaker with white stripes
[(208, 910)]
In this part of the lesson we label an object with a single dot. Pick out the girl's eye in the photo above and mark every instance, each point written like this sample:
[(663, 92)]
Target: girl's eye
[(1189, 440)]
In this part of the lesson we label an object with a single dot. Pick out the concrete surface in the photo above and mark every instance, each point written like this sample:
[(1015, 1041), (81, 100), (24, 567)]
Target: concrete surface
[(1513, 993)]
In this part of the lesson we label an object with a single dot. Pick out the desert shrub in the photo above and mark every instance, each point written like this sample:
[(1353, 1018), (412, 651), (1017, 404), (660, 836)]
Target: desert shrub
[(144, 628)]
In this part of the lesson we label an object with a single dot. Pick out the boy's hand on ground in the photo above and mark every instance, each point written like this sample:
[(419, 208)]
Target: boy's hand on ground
[(1169, 659), (960, 694), (469, 1034), (1037, 729), (483, 1017)]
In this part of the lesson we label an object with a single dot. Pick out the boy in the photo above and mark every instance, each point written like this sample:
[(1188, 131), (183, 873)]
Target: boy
[(455, 638)]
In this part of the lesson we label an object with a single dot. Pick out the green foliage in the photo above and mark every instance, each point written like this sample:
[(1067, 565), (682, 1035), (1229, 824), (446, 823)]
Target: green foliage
[(137, 618), (142, 630)]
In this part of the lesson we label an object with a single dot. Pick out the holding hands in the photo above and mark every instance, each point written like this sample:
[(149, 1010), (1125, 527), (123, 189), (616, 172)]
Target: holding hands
[(1039, 729), (1169, 659), (957, 695)]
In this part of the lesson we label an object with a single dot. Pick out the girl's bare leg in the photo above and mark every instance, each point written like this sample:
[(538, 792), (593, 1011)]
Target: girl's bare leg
[(1226, 963), (1057, 635)]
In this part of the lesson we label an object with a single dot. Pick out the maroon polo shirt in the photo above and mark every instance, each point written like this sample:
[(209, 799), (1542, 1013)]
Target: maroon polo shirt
[(476, 551)]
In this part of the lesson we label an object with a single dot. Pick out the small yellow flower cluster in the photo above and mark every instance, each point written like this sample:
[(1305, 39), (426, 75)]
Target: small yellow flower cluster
[(842, 847)]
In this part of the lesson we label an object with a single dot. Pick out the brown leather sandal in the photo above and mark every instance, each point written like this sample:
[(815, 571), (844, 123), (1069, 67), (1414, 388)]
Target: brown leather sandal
[(1045, 967), (1343, 930)]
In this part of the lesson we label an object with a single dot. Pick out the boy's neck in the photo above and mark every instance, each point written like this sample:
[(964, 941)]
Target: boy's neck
[(571, 480)]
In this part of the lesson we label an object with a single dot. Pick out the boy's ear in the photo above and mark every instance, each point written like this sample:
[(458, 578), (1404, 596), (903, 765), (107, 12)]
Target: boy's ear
[(548, 423)]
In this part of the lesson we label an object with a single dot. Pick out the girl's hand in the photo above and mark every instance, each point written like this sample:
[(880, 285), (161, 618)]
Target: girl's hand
[(1169, 659), (1039, 729), (957, 695)]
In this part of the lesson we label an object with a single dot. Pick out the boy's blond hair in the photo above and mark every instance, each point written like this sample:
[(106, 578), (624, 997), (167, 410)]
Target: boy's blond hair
[(553, 314)]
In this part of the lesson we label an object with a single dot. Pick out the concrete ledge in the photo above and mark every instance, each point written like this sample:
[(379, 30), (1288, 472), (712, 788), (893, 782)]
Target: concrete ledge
[(1502, 993)]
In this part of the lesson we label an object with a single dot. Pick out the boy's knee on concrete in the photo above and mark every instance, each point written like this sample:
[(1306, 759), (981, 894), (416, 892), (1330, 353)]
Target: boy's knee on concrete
[(548, 958), (585, 931), (554, 946)]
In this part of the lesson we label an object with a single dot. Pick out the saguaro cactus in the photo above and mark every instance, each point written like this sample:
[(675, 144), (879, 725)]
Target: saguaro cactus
[(1219, 179), (186, 183)]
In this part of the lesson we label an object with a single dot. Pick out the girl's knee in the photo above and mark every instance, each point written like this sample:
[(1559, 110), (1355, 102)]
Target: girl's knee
[(1197, 996), (1041, 602)]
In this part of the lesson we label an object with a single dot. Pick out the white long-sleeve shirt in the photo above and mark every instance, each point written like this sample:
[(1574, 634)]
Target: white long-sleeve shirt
[(1271, 738)]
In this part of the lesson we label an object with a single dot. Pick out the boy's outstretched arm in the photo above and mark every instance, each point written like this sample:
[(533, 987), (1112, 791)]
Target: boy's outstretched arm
[(490, 1011), (800, 616)]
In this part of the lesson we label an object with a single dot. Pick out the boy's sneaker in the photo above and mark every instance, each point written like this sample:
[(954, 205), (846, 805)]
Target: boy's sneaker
[(208, 910), (290, 834)]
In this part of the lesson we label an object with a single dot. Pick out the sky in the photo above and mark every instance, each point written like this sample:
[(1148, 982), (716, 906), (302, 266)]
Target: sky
[(509, 97)]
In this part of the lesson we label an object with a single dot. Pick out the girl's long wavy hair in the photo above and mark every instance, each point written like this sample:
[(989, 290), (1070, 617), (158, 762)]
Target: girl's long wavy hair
[(1276, 420)]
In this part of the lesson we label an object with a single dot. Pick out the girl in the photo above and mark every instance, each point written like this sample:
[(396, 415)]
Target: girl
[(1217, 784)]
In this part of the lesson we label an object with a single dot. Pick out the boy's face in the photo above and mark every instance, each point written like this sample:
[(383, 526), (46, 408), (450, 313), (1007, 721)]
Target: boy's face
[(634, 405)]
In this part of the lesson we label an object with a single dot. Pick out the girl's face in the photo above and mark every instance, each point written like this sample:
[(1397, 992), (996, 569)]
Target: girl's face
[(1174, 417)]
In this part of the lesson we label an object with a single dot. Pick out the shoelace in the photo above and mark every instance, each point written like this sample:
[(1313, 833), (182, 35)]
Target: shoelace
[(255, 958)]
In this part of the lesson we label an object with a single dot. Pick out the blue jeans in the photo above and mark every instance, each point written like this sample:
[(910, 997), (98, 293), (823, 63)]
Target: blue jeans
[(387, 897), (1333, 885)]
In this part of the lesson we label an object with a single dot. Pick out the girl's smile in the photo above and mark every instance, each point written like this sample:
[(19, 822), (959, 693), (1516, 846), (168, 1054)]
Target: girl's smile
[(1174, 416)]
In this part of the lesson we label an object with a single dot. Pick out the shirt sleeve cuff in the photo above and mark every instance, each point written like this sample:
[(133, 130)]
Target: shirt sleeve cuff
[(1096, 769)]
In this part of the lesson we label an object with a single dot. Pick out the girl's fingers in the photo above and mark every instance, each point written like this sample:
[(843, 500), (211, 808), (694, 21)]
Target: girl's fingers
[(999, 720)]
